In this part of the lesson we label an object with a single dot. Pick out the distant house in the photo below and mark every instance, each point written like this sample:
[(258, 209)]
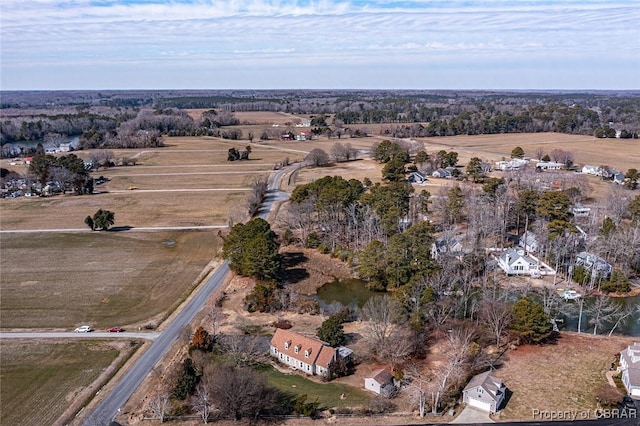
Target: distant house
[(594, 264), (485, 392), (441, 173), (513, 164), (307, 354), (549, 165), (302, 136), (592, 170), (618, 178), (380, 382), (630, 369), (514, 261), (580, 211), (529, 242), (447, 246), (417, 177)]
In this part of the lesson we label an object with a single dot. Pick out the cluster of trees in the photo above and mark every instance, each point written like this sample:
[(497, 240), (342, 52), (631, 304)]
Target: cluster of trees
[(235, 155), (67, 171)]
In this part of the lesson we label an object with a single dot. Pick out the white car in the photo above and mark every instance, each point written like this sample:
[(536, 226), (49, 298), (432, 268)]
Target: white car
[(83, 329)]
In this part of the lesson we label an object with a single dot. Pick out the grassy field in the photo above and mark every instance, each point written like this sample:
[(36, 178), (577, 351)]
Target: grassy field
[(100, 279), (40, 380), (327, 394), (558, 377)]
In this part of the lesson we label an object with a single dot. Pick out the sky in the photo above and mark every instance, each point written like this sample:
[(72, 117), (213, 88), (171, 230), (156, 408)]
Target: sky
[(320, 44)]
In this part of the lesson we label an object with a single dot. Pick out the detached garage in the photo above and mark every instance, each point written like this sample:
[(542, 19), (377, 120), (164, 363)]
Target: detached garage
[(485, 392)]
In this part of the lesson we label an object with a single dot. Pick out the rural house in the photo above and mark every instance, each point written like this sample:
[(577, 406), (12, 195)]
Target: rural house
[(484, 391), (549, 165), (594, 264), (441, 173), (380, 382), (592, 170), (630, 369), (447, 246), (417, 177), (514, 261), (304, 353), (529, 242)]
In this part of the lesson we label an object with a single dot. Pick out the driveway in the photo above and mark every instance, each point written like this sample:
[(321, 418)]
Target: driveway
[(472, 415)]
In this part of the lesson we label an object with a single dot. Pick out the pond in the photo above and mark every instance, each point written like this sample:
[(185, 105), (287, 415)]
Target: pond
[(630, 327), (349, 292)]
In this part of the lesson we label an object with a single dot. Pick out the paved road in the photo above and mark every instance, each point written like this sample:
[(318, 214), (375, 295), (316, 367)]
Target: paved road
[(72, 335), (106, 411)]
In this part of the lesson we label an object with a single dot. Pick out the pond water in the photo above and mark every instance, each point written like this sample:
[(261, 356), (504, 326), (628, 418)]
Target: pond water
[(630, 327), (349, 292)]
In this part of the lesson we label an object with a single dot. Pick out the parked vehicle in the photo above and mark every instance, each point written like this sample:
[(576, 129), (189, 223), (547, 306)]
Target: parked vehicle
[(83, 329), (115, 330)]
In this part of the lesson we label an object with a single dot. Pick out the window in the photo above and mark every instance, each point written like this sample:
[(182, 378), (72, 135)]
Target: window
[(286, 345), (297, 348), (307, 353)]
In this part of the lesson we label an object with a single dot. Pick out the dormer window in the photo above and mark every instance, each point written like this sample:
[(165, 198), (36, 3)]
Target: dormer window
[(307, 353), (297, 348), (287, 344)]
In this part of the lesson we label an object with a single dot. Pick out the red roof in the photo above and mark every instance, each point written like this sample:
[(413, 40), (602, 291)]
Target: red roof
[(310, 350)]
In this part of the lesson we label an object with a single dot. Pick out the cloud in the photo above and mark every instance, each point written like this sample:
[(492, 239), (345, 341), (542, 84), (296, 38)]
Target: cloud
[(77, 33)]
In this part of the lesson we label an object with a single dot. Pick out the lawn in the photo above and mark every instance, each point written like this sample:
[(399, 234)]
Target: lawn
[(558, 377), (327, 394), (100, 279), (39, 381)]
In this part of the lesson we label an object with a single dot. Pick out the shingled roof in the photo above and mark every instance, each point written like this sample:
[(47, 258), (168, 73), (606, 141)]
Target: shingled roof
[(309, 350)]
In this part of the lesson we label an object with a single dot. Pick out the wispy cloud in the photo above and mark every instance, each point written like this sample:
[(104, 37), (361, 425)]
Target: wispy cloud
[(314, 36)]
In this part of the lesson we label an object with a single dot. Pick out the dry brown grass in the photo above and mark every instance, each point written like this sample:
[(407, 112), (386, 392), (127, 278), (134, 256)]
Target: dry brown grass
[(558, 377), (41, 379), (99, 279)]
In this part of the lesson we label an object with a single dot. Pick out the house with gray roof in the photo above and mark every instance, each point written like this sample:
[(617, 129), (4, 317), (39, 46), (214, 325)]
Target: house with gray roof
[(380, 382), (630, 369), (484, 391)]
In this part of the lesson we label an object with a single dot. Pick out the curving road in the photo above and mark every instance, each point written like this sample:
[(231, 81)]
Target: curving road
[(107, 409)]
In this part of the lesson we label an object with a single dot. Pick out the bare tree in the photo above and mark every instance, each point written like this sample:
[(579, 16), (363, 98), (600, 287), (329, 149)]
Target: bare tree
[(201, 402), (419, 387), (158, 404), (625, 313), (496, 314), (398, 346), (380, 312), (242, 349), (456, 364), (602, 311)]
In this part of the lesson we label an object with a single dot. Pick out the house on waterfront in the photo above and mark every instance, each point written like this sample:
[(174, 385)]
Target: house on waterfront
[(484, 391), (630, 369), (380, 382), (514, 261), (307, 354), (448, 246), (594, 264)]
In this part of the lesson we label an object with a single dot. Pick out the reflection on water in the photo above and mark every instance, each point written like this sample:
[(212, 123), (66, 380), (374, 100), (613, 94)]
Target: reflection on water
[(630, 327), (349, 292)]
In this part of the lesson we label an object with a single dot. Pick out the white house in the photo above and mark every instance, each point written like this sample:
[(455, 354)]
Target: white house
[(302, 136), (515, 262), (630, 369), (580, 211), (513, 164), (484, 391), (380, 382), (549, 165), (592, 170), (529, 242), (303, 353)]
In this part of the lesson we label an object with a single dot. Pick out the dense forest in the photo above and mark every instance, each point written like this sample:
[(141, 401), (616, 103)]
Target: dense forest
[(138, 118)]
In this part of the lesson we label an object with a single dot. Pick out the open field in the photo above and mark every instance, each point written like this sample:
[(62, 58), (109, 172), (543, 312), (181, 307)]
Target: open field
[(619, 153), (98, 279), (558, 377), (327, 394), (39, 380)]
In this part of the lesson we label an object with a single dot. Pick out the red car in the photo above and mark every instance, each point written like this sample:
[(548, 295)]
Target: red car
[(115, 330)]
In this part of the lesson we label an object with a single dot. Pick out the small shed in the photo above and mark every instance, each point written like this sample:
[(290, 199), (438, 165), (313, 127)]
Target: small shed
[(380, 382)]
